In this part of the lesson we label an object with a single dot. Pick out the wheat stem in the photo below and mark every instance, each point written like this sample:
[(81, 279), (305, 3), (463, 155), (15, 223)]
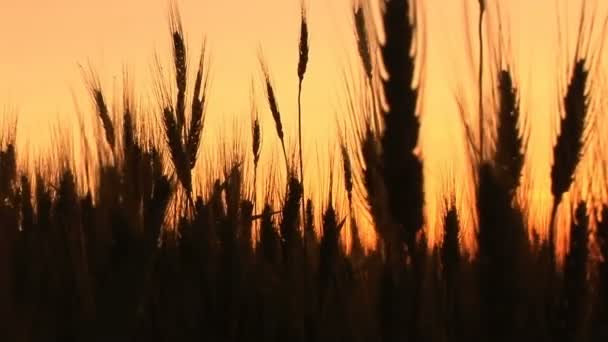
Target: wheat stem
[(480, 79)]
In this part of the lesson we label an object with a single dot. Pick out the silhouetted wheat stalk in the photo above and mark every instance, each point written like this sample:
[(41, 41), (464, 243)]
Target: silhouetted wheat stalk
[(197, 119), (509, 156), (568, 148), (176, 149), (102, 109), (482, 8), (348, 173), (402, 170), (180, 65), (183, 142), (256, 143), (302, 64), (274, 108), (128, 128), (363, 47)]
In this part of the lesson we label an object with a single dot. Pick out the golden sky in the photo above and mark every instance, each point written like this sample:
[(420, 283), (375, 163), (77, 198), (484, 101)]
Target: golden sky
[(43, 42)]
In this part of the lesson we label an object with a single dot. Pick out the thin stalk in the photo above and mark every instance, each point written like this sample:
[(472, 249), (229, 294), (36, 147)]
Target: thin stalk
[(303, 51), (300, 145), (480, 79)]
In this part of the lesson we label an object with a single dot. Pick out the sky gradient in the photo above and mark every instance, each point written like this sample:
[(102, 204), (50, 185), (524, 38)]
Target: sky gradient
[(43, 44)]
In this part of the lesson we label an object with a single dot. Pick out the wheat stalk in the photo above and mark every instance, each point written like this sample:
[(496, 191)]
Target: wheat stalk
[(101, 108), (302, 64), (274, 108), (509, 157), (180, 65), (348, 173), (176, 149), (402, 170), (128, 128), (361, 35), (482, 8), (568, 148), (197, 119), (256, 141)]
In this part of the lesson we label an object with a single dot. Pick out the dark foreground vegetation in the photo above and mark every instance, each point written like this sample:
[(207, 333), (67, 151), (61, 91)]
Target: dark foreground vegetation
[(144, 257)]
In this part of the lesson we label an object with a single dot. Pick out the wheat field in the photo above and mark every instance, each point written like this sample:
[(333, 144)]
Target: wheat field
[(135, 230)]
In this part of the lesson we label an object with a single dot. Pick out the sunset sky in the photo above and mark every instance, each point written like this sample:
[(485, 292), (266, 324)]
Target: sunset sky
[(42, 44)]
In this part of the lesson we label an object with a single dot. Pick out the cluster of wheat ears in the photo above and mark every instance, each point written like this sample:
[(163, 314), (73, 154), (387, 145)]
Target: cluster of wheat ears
[(143, 256)]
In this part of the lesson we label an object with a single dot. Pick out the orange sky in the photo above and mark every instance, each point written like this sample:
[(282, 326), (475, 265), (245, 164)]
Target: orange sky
[(42, 43)]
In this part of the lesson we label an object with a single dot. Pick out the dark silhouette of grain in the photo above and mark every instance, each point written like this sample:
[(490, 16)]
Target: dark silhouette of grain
[(274, 108), (568, 148), (509, 157), (402, 170), (197, 119), (363, 46), (302, 64)]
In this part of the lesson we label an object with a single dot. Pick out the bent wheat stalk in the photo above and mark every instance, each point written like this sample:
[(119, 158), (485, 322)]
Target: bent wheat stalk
[(274, 109)]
